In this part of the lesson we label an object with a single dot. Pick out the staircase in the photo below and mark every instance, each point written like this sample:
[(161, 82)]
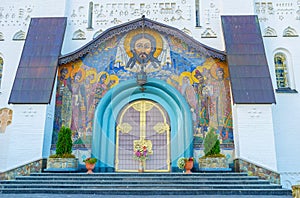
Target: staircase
[(226, 183)]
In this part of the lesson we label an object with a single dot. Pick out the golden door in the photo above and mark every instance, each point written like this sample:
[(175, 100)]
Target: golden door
[(146, 122)]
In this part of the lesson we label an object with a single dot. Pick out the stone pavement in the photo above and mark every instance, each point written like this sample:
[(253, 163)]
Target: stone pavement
[(133, 196)]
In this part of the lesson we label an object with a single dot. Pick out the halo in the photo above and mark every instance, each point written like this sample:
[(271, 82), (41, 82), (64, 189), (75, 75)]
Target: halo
[(115, 78), (99, 76), (193, 76), (216, 65), (74, 71), (68, 67), (183, 74), (92, 72), (156, 35), (77, 64)]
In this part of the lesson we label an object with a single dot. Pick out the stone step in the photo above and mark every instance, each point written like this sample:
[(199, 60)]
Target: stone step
[(146, 191), (144, 174), (172, 176), (142, 186), (137, 181)]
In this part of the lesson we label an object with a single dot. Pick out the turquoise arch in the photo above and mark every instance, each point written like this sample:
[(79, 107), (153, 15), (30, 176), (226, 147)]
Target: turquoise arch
[(104, 136)]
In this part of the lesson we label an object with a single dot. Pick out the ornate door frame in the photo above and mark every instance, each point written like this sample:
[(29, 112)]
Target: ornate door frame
[(108, 109)]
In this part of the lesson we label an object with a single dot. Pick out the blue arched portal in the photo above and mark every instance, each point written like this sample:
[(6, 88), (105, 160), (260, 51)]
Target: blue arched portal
[(104, 135)]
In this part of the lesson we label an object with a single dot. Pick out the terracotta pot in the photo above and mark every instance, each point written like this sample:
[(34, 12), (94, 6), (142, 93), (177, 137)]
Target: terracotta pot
[(89, 167), (188, 166)]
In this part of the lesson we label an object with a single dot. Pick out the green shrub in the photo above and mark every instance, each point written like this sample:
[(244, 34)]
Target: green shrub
[(90, 160), (64, 144), (211, 143)]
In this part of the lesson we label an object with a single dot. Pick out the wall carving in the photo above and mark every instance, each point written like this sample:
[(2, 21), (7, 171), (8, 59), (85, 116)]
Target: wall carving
[(15, 16), (1, 36), (254, 113), (79, 35), (104, 14), (265, 9), (213, 12), (208, 33), (19, 36), (30, 112), (270, 32), (290, 32), (5, 118)]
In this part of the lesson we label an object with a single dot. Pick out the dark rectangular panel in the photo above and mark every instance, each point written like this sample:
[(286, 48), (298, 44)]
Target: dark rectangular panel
[(36, 72), (249, 73)]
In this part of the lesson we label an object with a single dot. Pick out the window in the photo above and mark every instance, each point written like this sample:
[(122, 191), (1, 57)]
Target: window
[(197, 13), (283, 72)]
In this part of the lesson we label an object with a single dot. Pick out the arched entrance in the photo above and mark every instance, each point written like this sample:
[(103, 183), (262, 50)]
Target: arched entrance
[(109, 109), (143, 122)]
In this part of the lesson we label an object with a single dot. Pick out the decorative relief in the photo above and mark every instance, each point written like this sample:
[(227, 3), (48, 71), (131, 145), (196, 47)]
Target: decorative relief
[(15, 16), (160, 128), (265, 8), (79, 35), (211, 13), (124, 128), (30, 112), (254, 113), (19, 36), (5, 118), (270, 32), (116, 13), (1, 36), (290, 32), (208, 33), (187, 31), (97, 33)]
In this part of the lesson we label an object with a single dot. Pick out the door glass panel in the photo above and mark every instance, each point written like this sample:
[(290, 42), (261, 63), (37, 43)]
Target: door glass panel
[(138, 121)]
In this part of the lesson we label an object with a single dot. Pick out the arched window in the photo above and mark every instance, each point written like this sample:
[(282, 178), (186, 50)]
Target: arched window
[(1, 69), (281, 70), (284, 72)]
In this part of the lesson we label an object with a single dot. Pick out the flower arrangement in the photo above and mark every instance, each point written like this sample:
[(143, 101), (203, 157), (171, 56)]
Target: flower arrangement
[(140, 152), (182, 161), (90, 160)]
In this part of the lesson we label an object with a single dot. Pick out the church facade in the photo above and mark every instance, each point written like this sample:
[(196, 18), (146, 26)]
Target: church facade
[(160, 74)]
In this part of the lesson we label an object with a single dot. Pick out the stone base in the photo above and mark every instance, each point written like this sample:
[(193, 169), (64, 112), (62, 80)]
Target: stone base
[(213, 164), (62, 164)]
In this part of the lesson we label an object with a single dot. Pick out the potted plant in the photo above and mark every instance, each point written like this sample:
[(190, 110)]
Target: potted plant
[(212, 159), (90, 164), (63, 160), (186, 163)]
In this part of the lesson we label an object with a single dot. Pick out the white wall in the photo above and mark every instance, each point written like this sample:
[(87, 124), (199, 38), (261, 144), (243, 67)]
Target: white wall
[(22, 141), (254, 135), (286, 111)]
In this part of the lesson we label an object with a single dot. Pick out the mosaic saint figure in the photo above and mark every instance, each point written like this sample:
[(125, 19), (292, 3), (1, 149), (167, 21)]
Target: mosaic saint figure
[(143, 46), (64, 96), (202, 94), (143, 49), (79, 104), (187, 90), (90, 87), (101, 88), (219, 105)]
